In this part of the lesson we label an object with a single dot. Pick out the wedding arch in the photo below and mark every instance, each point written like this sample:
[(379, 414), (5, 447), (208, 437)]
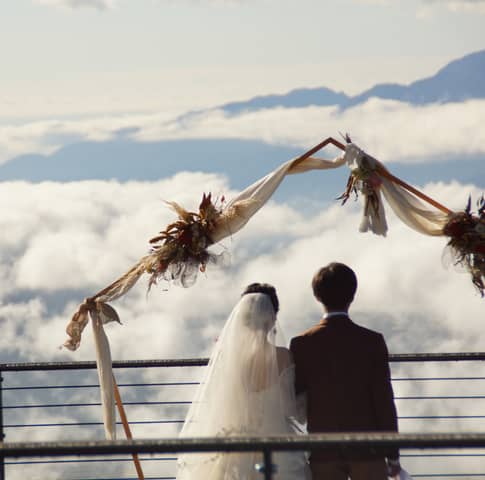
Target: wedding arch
[(181, 249)]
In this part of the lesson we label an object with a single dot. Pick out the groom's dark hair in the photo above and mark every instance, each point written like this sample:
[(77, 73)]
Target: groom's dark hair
[(334, 286), (267, 289)]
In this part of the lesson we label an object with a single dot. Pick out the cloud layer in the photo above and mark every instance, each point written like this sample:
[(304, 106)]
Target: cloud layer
[(428, 7), (73, 239), (392, 131), (97, 4), (465, 6), (63, 242)]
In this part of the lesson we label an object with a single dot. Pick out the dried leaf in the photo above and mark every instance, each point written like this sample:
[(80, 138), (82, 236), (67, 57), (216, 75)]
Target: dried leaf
[(181, 212), (107, 313), (75, 328)]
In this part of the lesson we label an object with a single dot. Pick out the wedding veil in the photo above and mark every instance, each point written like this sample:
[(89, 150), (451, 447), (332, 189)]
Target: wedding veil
[(244, 391)]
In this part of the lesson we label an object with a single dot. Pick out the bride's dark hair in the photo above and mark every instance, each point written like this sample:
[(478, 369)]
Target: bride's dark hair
[(267, 289)]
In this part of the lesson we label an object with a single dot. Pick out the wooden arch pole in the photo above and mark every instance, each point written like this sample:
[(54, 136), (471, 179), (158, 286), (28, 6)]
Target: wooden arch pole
[(381, 170), (316, 148), (126, 427), (387, 174)]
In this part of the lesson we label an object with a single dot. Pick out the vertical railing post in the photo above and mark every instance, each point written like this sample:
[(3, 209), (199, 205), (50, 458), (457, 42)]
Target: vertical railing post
[(2, 460), (268, 464), (266, 468)]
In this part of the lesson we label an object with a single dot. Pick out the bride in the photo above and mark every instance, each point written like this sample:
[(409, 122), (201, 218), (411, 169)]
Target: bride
[(248, 390)]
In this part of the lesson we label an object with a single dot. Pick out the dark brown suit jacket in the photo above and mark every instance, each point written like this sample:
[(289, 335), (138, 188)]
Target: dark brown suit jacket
[(344, 370)]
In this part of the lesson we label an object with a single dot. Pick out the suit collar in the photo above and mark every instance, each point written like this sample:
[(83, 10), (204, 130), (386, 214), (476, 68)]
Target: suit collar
[(340, 319), (335, 314)]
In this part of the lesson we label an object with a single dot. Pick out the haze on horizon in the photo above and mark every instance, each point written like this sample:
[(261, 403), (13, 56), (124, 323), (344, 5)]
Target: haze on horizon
[(72, 58)]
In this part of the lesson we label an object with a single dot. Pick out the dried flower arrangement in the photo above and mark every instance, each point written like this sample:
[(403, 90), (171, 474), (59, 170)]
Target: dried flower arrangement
[(467, 241)]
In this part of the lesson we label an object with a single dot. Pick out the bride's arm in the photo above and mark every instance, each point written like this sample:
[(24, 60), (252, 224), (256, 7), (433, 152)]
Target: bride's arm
[(301, 409), (296, 403), (284, 359)]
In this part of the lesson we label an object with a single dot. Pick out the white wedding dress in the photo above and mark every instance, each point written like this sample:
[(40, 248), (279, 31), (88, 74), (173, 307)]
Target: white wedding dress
[(248, 390)]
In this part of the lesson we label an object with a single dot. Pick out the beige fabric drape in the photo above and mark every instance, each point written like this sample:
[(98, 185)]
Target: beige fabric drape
[(415, 213), (242, 207)]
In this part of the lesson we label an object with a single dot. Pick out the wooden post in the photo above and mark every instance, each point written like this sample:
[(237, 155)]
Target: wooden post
[(387, 174), (126, 428), (382, 171), (316, 148)]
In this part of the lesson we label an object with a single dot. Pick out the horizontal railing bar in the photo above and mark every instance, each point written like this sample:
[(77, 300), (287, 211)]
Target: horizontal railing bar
[(426, 379), (62, 405), (426, 417), (436, 357), (423, 475), (96, 385), (165, 422), (90, 365), (94, 460), (188, 402), (200, 362), (440, 455), (90, 424), (181, 384), (445, 475), (173, 459), (441, 397), (352, 440), (127, 478)]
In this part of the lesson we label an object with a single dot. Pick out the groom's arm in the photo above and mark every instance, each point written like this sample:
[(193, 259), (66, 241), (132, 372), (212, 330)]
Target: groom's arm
[(384, 399)]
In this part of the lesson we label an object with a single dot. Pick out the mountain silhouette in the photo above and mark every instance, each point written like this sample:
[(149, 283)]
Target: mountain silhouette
[(299, 98), (460, 80), (244, 161)]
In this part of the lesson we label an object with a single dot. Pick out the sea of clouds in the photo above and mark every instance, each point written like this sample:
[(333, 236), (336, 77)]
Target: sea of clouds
[(62, 242), (391, 130)]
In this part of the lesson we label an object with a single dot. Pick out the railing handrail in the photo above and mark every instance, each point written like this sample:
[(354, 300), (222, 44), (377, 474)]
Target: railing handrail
[(312, 441), (200, 362), (91, 365)]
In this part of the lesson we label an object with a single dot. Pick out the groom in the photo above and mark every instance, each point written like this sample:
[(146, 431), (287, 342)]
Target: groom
[(343, 369)]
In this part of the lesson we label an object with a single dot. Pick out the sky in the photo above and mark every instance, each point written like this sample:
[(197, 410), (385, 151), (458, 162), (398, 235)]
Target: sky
[(85, 70), (84, 57), (77, 71)]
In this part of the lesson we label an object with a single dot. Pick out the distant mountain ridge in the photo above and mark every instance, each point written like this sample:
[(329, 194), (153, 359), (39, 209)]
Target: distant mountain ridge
[(244, 161), (460, 80), (241, 161)]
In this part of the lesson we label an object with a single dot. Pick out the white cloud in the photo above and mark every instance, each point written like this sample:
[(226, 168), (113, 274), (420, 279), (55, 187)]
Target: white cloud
[(78, 237), (426, 8), (63, 242), (389, 130), (97, 4), (429, 8), (374, 2), (467, 6)]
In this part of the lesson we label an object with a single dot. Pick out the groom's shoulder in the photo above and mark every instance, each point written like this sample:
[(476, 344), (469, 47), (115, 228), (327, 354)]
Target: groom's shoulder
[(308, 333)]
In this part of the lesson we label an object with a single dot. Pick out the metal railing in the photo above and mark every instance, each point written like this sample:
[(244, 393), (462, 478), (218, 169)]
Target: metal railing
[(414, 380), (348, 442)]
